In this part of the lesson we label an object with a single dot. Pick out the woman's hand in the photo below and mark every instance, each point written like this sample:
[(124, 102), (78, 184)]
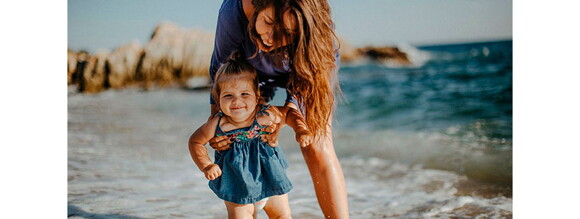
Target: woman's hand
[(272, 138), (220, 143), (305, 138), (273, 128), (212, 171)]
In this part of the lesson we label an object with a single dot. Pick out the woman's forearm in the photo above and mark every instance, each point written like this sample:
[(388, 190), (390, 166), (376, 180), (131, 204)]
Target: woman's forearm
[(295, 120)]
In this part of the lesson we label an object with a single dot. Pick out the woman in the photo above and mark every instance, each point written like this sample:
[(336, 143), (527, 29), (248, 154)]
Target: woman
[(292, 45)]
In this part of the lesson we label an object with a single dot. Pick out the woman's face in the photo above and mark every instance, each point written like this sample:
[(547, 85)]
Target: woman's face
[(265, 28)]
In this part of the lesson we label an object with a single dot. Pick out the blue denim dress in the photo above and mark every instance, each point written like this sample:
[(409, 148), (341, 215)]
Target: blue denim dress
[(251, 169)]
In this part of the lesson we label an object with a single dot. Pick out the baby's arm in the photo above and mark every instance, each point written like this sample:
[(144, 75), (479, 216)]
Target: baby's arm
[(198, 150), (295, 120)]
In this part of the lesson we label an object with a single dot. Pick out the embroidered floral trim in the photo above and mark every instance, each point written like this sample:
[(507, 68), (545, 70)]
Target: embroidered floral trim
[(254, 132)]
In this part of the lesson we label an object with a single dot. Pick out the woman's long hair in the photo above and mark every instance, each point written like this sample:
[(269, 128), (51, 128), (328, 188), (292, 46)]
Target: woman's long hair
[(314, 78)]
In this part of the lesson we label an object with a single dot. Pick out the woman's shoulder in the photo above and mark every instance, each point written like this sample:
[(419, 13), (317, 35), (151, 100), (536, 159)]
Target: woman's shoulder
[(230, 12), (230, 33)]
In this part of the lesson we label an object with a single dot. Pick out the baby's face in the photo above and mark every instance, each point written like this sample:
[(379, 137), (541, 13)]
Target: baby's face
[(238, 99)]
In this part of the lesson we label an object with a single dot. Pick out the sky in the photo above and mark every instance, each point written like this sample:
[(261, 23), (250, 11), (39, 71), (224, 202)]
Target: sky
[(94, 24)]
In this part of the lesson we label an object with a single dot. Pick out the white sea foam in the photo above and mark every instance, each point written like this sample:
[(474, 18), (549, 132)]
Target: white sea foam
[(417, 57)]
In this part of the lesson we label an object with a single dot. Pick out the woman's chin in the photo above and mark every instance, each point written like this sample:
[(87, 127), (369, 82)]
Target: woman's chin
[(266, 48)]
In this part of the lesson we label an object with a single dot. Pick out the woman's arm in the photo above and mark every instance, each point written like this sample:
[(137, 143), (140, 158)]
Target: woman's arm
[(229, 35), (228, 38), (218, 143), (295, 120)]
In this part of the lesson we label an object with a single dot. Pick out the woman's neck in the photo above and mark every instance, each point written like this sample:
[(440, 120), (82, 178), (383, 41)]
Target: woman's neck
[(248, 9)]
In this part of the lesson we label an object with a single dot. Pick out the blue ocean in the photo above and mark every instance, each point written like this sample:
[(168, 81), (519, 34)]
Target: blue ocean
[(431, 140), (461, 93), (461, 86)]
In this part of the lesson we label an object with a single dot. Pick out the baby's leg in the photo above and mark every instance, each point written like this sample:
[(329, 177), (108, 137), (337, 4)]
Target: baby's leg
[(278, 207), (237, 211)]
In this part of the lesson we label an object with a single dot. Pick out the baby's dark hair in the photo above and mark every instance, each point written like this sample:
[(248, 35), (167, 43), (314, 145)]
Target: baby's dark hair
[(235, 68)]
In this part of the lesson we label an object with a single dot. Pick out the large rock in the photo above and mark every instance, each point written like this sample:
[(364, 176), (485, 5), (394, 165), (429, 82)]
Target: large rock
[(172, 56), (175, 55), (389, 55), (385, 54), (122, 64), (348, 53), (71, 65), (94, 76), (197, 55)]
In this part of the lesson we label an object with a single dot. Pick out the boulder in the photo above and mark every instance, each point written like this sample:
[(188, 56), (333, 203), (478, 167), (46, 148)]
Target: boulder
[(94, 75), (175, 55), (385, 54), (122, 64)]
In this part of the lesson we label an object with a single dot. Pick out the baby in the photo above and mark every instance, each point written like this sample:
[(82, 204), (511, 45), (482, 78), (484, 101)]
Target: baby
[(251, 174)]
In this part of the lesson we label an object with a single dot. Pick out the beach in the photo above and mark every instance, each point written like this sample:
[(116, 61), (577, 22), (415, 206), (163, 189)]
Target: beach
[(423, 141)]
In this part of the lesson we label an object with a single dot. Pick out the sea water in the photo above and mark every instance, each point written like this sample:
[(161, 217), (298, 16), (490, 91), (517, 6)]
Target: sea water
[(430, 140)]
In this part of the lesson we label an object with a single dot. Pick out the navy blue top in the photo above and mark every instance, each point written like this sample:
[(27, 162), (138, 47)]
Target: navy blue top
[(232, 35)]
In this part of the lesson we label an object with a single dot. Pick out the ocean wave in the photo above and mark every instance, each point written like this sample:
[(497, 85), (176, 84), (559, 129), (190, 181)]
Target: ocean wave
[(483, 163), (417, 57)]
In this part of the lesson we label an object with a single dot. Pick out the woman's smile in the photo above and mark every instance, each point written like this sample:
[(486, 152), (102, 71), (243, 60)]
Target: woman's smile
[(265, 28), (267, 44)]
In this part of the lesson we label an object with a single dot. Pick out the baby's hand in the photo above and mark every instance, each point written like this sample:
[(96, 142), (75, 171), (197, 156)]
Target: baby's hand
[(212, 171), (305, 138)]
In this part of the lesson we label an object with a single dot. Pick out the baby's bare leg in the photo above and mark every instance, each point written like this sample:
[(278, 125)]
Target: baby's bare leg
[(278, 207), (237, 211)]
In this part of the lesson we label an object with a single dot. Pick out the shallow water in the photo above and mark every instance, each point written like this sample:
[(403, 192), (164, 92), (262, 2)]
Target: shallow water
[(128, 158)]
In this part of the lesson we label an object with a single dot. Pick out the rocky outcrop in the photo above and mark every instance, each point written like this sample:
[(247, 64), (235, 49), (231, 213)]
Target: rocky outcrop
[(387, 54), (94, 74), (122, 64), (75, 65), (171, 57), (174, 56), (348, 53), (71, 67)]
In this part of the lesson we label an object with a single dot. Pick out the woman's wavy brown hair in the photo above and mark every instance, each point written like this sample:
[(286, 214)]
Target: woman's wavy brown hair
[(313, 79)]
